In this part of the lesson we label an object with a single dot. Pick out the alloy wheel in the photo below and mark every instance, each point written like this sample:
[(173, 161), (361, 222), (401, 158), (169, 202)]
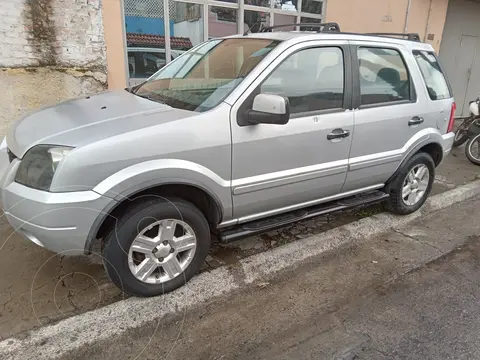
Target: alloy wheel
[(162, 251), (415, 184)]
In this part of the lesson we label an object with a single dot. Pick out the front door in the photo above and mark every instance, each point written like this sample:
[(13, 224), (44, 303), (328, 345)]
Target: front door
[(276, 168)]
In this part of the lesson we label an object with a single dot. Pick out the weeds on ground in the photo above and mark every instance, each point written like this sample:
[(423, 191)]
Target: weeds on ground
[(369, 211)]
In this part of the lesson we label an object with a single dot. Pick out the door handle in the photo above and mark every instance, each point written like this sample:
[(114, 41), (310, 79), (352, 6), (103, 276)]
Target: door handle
[(416, 120), (338, 134)]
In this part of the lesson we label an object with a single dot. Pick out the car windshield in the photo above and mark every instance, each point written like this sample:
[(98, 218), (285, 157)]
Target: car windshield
[(203, 77)]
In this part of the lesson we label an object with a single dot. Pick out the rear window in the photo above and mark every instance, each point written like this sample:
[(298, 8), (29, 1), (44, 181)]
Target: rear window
[(434, 79)]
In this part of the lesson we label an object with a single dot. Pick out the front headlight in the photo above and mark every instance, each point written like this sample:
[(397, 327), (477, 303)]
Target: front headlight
[(39, 164)]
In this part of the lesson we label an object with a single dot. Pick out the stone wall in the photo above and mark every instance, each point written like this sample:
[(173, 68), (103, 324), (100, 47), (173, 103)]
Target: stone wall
[(27, 89), (51, 32), (50, 50)]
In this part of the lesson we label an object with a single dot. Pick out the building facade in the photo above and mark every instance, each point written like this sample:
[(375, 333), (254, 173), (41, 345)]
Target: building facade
[(68, 48), (157, 31)]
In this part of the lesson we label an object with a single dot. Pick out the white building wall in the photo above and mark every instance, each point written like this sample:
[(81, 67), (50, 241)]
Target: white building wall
[(190, 29)]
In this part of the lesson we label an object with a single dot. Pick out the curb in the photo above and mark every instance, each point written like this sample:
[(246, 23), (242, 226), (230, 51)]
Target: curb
[(65, 337)]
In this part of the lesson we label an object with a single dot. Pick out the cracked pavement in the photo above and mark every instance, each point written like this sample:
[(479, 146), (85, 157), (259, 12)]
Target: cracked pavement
[(38, 287), (391, 296)]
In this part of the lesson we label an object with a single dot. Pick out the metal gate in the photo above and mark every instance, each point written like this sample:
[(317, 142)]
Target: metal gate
[(460, 51)]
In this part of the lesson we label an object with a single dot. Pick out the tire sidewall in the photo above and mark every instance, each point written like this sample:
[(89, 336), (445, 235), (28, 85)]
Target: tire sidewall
[(464, 128), (397, 205), (119, 240), (468, 149), (460, 141)]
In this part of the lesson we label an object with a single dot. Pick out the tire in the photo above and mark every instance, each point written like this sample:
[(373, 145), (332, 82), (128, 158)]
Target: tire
[(468, 150), (460, 138), (119, 256), (397, 204), (461, 135)]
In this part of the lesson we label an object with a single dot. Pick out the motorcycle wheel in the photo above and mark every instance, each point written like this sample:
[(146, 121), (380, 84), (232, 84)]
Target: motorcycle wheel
[(461, 135), (472, 150)]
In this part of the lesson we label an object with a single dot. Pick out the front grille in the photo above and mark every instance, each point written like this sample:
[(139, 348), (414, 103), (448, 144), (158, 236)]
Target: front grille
[(11, 156)]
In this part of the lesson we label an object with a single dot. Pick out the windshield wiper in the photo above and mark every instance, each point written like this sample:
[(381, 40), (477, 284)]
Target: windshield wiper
[(150, 96), (145, 96)]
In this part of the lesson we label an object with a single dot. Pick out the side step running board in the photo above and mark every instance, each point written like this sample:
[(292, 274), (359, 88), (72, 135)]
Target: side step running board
[(278, 221)]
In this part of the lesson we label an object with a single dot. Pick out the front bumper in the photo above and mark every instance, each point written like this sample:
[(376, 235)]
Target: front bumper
[(60, 222)]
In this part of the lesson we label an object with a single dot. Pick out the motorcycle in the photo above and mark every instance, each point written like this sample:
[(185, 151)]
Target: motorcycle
[(462, 133), (472, 148)]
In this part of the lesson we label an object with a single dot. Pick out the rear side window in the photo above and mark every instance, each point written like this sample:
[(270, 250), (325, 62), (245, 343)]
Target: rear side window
[(384, 76), (432, 74)]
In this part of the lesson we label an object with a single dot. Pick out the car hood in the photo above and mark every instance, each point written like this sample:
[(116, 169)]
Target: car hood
[(88, 119)]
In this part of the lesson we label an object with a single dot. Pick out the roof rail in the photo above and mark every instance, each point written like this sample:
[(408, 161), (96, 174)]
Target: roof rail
[(324, 27), (333, 27), (409, 36)]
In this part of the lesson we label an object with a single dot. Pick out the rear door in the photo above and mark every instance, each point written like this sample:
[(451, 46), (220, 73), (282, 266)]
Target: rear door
[(276, 168), (389, 111)]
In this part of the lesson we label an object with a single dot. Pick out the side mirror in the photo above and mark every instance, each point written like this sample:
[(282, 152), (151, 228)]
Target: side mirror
[(269, 109)]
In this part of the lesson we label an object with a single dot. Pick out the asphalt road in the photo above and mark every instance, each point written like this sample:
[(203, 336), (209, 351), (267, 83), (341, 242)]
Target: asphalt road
[(38, 287), (393, 296)]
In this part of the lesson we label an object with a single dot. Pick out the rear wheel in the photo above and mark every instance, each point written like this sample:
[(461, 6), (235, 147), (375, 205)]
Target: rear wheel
[(472, 150), (156, 247), (409, 189), (461, 135)]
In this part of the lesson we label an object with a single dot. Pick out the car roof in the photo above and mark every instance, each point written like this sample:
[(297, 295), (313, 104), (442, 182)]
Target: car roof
[(296, 36)]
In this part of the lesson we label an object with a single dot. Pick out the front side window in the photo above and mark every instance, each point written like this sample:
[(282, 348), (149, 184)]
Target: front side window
[(384, 76), (312, 80), (432, 74), (203, 77)]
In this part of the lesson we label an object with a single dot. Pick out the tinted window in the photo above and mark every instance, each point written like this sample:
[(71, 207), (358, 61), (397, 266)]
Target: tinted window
[(312, 79), (434, 79), (383, 76)]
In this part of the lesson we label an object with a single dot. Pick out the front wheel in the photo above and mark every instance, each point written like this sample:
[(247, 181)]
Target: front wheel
[(409, 189), (156, 246), (472, 150), (461, 135)]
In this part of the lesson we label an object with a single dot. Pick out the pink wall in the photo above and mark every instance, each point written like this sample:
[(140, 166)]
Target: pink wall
[(113, 25), (218, 28), (390, 16)]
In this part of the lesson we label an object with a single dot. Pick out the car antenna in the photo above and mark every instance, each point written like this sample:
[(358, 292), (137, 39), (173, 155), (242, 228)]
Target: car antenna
[(250, 27)]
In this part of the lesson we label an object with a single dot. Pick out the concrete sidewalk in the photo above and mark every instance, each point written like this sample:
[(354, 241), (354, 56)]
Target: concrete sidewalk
[(392, 296)]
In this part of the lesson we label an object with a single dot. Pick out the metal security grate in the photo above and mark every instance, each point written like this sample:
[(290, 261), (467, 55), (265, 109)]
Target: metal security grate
[(149, 8), (144, 8)]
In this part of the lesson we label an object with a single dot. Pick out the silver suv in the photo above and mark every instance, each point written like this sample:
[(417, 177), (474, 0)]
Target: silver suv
[(238, 136)]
